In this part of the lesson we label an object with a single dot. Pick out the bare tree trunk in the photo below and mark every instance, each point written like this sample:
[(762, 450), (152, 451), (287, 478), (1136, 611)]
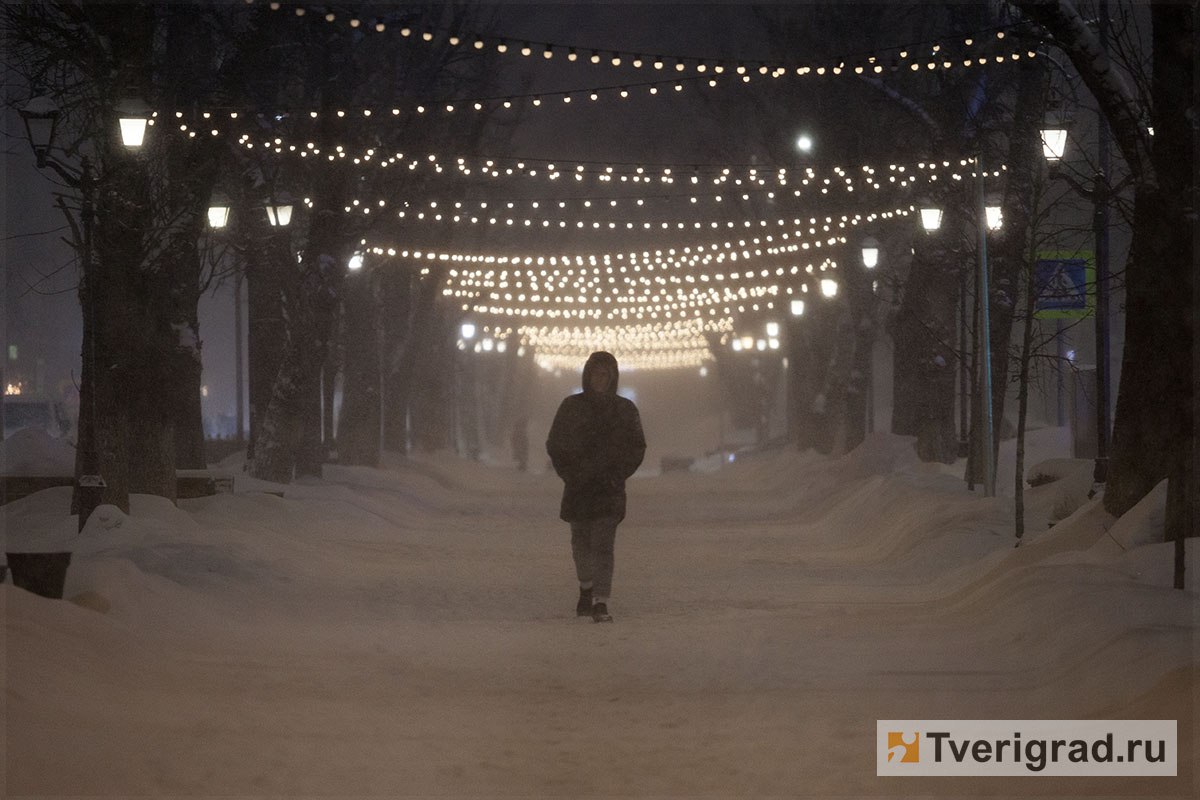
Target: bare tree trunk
[(836, 389), (192, 171), (414, 334), (924, 338), (311, 311), (1009, 256), (358, 427), (1023, 392), (433, 389), (266, 271)]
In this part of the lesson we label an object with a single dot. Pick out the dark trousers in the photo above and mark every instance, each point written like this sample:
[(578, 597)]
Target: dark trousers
[(592, 546)]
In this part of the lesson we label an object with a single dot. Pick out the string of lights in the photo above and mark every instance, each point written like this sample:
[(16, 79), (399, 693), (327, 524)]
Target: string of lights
[(685, 257), (927, 54), (563, 99), (603, 226), (637, 173), (550, 283)]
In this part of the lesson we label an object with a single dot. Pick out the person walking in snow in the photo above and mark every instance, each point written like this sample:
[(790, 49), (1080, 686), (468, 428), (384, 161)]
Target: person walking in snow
[(595, 444)]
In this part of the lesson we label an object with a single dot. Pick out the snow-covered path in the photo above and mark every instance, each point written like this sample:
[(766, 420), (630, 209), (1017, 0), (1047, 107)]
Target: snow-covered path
[(412, 632)]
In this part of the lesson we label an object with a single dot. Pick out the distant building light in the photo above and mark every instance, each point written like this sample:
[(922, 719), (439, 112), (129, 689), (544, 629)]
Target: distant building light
[(12, 389), (12, 352)]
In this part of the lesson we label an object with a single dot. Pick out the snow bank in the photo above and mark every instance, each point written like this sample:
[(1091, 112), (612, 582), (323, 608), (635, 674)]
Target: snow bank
[(33, 452), (1056, 489), (411, 630)]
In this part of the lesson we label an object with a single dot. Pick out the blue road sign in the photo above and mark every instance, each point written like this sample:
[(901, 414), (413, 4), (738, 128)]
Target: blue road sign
[(1064, 283)]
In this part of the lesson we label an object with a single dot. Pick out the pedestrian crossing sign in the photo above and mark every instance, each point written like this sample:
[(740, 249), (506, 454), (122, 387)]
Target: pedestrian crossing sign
[(1065, 284)]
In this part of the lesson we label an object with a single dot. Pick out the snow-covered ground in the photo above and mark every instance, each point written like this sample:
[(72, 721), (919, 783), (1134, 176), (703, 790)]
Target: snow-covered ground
[(411, 631)]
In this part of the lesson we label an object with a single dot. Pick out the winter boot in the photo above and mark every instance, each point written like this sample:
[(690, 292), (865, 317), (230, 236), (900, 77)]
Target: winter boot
[(600, 613), (584, 607)]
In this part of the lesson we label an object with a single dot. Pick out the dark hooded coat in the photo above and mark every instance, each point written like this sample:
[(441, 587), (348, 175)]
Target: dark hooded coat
[(595, 444)]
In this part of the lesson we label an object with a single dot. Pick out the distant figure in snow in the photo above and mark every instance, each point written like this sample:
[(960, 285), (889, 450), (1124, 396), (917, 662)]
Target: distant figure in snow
[(595, 444), (520, 443)]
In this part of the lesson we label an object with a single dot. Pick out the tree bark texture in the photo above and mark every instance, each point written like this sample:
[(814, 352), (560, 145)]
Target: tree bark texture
[(358, 426), (311, 312), (192, 172), (412, 323), (924, 336), (268, 268)]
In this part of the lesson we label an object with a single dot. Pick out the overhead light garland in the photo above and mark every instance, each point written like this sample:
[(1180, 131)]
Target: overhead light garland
[(601, 226), (826, 229), (609, 172), (644, 346), (916, 56), (563, 99)]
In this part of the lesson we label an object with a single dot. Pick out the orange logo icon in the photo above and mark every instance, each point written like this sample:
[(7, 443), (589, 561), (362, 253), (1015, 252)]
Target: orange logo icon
[(903, 747)]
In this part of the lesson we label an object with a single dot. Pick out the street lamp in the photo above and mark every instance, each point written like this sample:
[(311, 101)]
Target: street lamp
[(797, 308), (468, 331), (279, 214), (355, 263), (994, 216), (804, 143), (40, 116), (870, 253), (829, 287), (1054, 143), (133, 118), (218, 215), (931, 219)]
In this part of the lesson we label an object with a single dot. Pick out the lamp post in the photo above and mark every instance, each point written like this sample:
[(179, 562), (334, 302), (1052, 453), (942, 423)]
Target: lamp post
[(41, 123), (41, 117), (218, 218), (1054, 147), (988, 218), (870, 260), (985, 334)]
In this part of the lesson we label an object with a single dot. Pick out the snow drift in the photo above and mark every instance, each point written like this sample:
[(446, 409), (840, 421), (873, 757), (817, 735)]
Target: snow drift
[(411, 630)]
